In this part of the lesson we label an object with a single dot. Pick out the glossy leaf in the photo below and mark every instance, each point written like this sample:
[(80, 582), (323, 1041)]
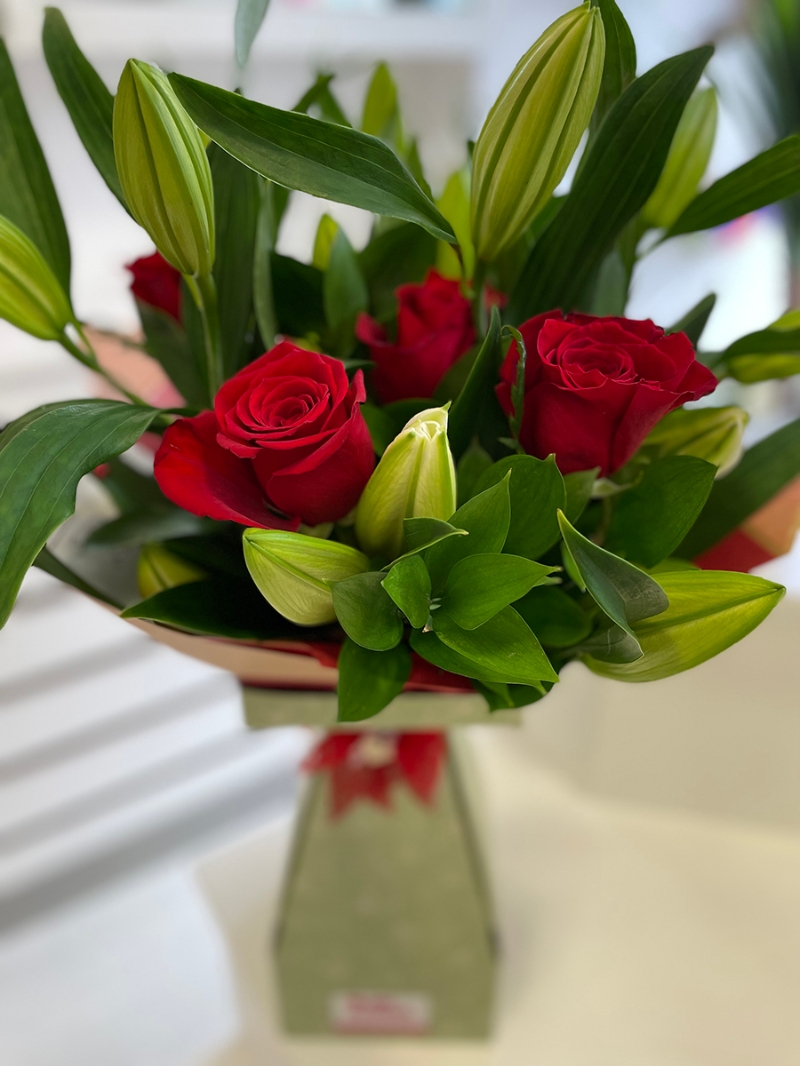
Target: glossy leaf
[(344, 294), (422, 533), (504, 647), (621, 169), (611, 644), (249, 16), (486, 517), (472, 465), (366, 612), (409, 585), (308, 154), (237, 199), (478, 392), (763, 471), (619, 67), (708, 612), (624, 592), (370, 680), (694, 322), (86, 98), (651, 520), (43, 456), (537, 494), (769, 353), (480, 586), (554, 616), (771, 176), (578, 487), (27, 195)]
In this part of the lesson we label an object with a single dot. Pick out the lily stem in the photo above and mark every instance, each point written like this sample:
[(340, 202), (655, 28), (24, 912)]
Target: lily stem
[(88, 357), (204, 294)]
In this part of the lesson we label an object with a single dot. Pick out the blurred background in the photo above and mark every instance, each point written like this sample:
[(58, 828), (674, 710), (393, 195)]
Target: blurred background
[(124, 765)]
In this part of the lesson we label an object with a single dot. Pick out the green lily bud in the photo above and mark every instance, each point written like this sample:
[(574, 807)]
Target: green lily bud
[(686, 163), (710, 433), (159, 569), (535, 125), (31, 297), (415, 478), (163, 169), (293, 571)]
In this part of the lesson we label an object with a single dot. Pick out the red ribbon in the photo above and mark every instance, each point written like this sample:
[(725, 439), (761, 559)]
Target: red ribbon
[(366, 765)]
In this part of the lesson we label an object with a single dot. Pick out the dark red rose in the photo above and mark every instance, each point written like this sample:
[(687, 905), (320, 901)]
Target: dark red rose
[(157, 283), (286, 435), (434, 328), (595, 387)]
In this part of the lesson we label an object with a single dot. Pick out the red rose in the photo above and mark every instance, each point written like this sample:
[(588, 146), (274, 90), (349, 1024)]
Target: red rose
[(286, 434), (157, 283), (595, 387), (434, 328)]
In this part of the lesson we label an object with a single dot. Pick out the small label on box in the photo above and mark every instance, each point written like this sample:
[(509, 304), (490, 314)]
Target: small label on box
[(398, 1013)]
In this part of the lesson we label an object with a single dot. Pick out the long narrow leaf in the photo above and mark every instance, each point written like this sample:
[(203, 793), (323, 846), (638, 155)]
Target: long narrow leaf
[(771, 176), (27, 195), (621, 170), (619, 67), (249, 16), (478, 390), (86, 98), (311, 155), (43, 456)]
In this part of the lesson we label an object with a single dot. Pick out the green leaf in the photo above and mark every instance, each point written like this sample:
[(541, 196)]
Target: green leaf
[(694, 322), (422, 533), (366, 612), (237, 199), (624, 592), (409, 585), (651, 520), (134, 530), (619, 68), (486, 517), (27, 196), (370, 680), (504, 647), (319, 96), (167, 342), (381, 116), (220, 607), (480, 586), (478, 392), (769, 353), (297, 294), (472, 465), (499, 697), (763, 471), (46, 561), (610, 290), (130, 490), (578, 487), (384, 423), (86, 98), (308, 154), (263, 263), (344, 294), (249, 16), (708, 612), (43, 456), (537, 494), (554, 616), (622, 168), (610, 644), (771, 176), (397, 256)]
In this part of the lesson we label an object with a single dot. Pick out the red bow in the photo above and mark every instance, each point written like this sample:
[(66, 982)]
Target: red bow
[(364, 765)]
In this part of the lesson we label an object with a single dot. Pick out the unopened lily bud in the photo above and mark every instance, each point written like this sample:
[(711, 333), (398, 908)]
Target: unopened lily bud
[(415, 478), (534, 127), (163, 169), (710, 433), (31, 297), (159, 569), (293, 572), (686, 163)]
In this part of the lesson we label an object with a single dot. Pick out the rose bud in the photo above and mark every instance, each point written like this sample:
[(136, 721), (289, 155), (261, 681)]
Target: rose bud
[(159, 569), (686, 163), (163, 169), (414, 479), (534, 127), (285, 443), (293, 571), (595, 387), (157, 284), (710, 433), (31, 297), (434, 328)]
